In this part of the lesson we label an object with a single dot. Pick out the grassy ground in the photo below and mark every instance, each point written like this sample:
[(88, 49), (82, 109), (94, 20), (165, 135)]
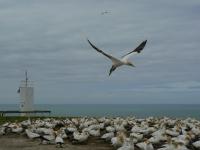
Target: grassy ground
[(12, 119), (20, 118)]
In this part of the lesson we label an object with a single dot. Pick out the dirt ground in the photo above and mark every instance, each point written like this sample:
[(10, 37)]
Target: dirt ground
[(18, 142)]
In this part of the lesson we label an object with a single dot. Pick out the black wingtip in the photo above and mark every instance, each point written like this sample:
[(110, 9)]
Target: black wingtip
[(90, 43), (145, 42)]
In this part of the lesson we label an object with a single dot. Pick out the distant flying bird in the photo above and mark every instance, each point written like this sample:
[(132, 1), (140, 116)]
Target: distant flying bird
[(105, 12), (124, 60)]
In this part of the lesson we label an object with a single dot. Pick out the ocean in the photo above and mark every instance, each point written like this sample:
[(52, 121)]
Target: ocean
[(114, 110)]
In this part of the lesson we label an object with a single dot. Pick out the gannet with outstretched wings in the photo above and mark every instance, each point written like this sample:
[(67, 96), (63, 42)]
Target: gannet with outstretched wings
[(124, 60)]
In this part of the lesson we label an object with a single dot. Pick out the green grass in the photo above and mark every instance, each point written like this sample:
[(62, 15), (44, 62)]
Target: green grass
[(20, 118), (12, 119)]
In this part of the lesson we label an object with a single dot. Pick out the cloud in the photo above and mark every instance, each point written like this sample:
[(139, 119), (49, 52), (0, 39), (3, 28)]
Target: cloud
[(49, 39)]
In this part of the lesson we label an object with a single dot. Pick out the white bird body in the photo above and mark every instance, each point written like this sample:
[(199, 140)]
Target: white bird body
[(145, 146), (71, 129), (196, 144), (115, 142), (181, 147), (47, 131), (80, 137), (110, 129), (108, 136), (101, 125), (166, 148), (75, 121), (136, 135), (62, 133), (94, 127), (12, 125), (31, 134), (94, 133), (196, 130), (49, 137), (158, 132), (2, 130), (119, 139), (59, 140), (17, 129), (174, 146), (119, 128), (127, 145), (135, 129), (154, 140), (5, 124), (124, 60), (157, 137), (185, 139), (151, 129), (172, 133), (26, 122), (49, 125)]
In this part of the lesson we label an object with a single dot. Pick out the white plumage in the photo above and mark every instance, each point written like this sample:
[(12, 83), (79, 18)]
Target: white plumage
[(31, 134), (80, 137), (124, 60), (196, 144)]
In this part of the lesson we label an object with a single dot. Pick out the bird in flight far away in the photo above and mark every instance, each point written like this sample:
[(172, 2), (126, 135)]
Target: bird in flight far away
[(105, 12), (124, 60)]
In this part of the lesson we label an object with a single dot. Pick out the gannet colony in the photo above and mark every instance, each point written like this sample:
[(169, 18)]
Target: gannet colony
[(122, 133)]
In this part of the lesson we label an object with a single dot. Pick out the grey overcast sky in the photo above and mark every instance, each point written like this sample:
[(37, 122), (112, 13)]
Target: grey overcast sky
[(48, 37)]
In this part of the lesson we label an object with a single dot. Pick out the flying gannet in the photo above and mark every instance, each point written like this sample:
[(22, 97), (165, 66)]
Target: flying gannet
[(124, 60), (105, 12)]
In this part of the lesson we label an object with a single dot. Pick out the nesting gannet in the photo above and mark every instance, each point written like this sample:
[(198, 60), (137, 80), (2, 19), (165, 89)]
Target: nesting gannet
[(110, 129), (26, 123), (46, 131), (119, 128), (196, 144), (17, 129), (146, 145), (59, 140), (138, 136), (80, 137), (119, 139), (31, 134), (94, 133), (127, 145), (124, 60), (108, 136), (62, 133), (2, 130), (70, 130)]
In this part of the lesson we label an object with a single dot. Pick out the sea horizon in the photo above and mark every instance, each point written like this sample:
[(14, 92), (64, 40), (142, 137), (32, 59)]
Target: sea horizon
[(115, 110)]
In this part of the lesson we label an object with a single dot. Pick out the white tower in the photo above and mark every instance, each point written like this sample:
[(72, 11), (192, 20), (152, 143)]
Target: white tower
[(26, 95)]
